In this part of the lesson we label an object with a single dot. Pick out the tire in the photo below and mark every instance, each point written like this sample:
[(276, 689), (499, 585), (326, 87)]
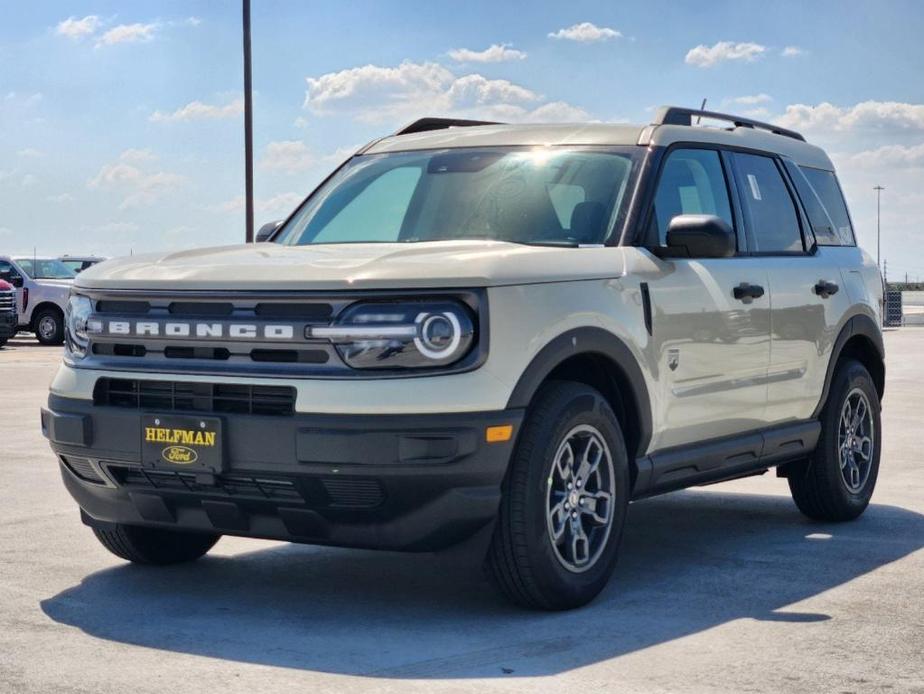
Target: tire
[(154, 546), (821, 490), (49, 326), (3, 342), (524, 561)]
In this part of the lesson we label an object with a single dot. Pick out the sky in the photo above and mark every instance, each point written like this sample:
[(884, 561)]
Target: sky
[(121, 126)]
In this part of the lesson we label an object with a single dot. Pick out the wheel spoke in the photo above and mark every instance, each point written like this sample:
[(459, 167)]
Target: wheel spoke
[(865, 448), (598, 506), (558, 518), (590, 460), (580, 544), (564, 466)]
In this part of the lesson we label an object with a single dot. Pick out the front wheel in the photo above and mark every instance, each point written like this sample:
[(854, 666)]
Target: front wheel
[(156, 546), (838, 481), (564, 501), (49, 326)]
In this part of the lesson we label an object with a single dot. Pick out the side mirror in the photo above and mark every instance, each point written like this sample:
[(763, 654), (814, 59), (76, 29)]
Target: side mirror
[(266, 231), (700, 236)]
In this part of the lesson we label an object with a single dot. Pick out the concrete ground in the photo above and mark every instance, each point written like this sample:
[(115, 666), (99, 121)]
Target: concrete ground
[(721, 589)]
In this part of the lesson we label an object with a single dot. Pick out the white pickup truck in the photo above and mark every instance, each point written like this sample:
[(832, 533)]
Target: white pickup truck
[(42, 287)]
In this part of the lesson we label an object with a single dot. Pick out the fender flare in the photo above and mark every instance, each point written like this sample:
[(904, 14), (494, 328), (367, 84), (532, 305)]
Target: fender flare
[(588, 340), (862, 325)]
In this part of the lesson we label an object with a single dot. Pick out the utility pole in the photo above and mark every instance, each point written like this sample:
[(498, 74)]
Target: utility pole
[(878, 190), (248, 128)]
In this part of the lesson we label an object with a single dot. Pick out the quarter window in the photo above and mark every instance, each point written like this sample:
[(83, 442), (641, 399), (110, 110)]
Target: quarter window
[(692, 182), (774, 223), (829, 192)]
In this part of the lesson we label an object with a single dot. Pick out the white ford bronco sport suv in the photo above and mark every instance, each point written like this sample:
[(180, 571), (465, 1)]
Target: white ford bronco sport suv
[(476, 331)]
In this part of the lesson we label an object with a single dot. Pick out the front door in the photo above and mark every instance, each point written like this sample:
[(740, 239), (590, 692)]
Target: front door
[(710, 350)]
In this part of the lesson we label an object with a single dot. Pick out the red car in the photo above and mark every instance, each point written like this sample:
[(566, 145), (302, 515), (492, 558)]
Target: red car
[(8, 318)]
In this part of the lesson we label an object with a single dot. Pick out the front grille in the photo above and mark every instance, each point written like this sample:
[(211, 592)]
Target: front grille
[(243, 486), (83, 468), (7, 302), (223, 398)]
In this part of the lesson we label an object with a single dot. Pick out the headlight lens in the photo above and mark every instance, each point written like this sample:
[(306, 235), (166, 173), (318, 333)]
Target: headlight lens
[(406, 335), (76, 316)]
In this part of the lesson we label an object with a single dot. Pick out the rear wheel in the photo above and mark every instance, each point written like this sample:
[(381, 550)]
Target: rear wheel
[(564, 501), (154, 545), (49, 326), (838, 481)]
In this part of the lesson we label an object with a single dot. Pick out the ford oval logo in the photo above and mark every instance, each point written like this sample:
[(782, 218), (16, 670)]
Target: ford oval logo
[(179, 455)]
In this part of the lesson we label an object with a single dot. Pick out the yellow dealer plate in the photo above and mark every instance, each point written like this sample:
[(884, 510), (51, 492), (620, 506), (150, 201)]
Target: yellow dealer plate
[(181, 442)]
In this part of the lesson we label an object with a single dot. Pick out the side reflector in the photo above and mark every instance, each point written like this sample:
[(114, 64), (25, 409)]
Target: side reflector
[(498, 434)]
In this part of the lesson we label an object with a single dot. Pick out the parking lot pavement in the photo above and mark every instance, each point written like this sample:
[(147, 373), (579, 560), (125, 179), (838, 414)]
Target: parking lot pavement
[(726, 588)]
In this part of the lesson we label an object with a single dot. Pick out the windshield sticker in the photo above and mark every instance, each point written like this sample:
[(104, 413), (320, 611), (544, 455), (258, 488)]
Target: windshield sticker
[(755, 189)]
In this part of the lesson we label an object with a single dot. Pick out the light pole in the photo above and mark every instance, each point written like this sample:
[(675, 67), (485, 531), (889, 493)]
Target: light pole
[(248, 128), (878, 190)]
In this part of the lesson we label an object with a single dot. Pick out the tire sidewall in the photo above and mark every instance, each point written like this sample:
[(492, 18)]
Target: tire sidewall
[(582, 406)]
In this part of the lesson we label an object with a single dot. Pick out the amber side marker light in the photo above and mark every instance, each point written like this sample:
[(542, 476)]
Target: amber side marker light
[(498, 434)]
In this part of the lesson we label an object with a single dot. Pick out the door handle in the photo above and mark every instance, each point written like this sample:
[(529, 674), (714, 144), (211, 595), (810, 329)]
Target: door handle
[(746, 293), (824, 289)]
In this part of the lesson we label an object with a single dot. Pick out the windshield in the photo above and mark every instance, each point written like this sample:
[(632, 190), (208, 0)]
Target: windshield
[(45, 269), (552, 196)]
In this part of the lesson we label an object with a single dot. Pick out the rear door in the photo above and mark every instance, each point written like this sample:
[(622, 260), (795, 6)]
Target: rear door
[(807, 301), (710, 349)]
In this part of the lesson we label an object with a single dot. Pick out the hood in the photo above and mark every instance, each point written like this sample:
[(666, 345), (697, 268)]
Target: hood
[(437, 264)]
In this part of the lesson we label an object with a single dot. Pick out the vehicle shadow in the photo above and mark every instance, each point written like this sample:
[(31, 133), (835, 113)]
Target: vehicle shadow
[(690, 561)]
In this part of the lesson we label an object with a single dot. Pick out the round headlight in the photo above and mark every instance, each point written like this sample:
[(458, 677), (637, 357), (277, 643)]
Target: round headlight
[(439, 334), (79, 309)]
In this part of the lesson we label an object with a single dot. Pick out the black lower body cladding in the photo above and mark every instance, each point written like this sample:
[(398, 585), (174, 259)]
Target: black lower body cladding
[(405, 482)]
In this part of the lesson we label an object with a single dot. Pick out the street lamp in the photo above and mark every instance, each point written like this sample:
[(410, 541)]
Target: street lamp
[(878, 190), (248, 128)]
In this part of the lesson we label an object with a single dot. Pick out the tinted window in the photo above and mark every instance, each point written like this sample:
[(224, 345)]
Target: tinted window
[(829, 192), (692, 182), (768, 204)]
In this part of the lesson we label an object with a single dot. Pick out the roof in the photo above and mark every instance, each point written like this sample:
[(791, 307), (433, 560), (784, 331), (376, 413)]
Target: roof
[(603, 134)]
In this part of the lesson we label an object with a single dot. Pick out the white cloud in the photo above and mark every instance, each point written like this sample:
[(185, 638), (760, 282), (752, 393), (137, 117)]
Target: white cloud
[(866, 115), (374, 93), (586, 32), (556, 112), (193, 21), (5, 231), (30, 152), (29, 180), (139, 187), (753, 99), (791, 52), (61, 197), (74, 28), (128, 33), (707, 56), (197, 110), (495, 53), (890, 156), (288, 156), (137, 155)]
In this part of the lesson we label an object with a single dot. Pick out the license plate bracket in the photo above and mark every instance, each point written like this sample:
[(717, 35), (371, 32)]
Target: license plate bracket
[(182, 442)]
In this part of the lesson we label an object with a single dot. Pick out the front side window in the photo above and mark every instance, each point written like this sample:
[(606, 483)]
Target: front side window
[(771, 211), (829, 192), (692, 182), (46, 269), (544, 196)]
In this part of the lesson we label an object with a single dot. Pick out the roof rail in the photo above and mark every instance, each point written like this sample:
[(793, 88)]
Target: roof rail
[(678, 115), (423, 125)]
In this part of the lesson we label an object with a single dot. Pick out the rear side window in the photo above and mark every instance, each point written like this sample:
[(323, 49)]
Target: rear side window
[(829, 193), (692, 182), (770, 209)]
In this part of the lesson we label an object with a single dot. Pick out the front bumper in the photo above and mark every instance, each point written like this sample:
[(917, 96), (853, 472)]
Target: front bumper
[(408, 482)]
